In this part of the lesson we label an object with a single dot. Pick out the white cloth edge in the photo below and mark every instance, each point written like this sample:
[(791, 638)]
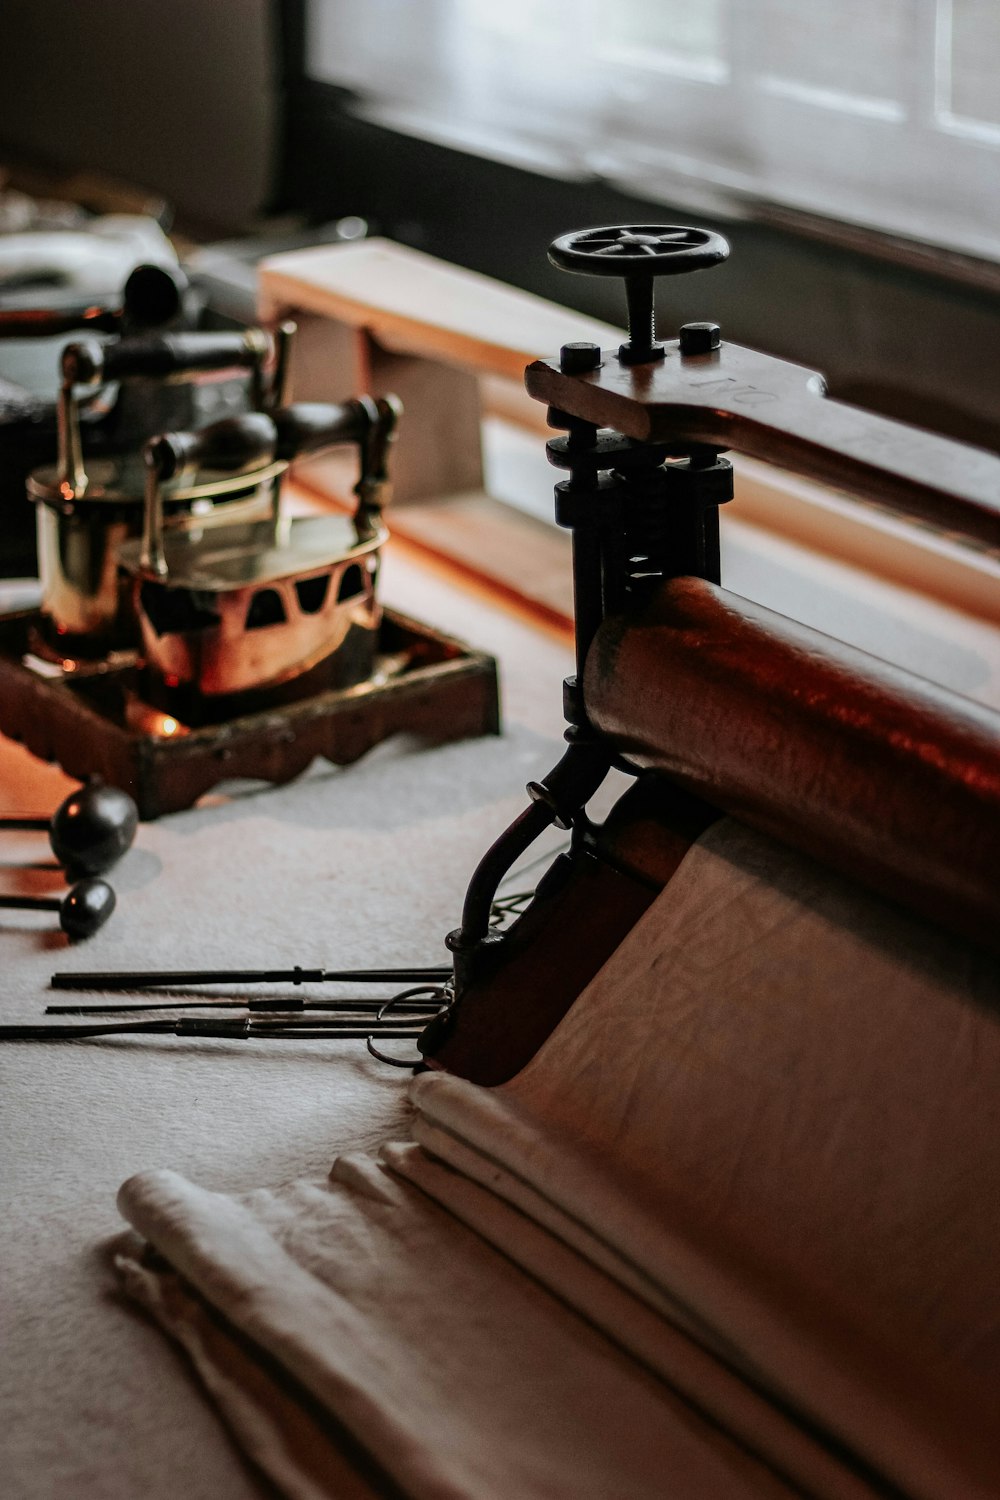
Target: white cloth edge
[(655, 1341), (841, 1383), (269, 1297)]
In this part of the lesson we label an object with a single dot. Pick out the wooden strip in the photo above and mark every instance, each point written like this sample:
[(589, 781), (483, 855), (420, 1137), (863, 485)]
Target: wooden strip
[(415, 304)]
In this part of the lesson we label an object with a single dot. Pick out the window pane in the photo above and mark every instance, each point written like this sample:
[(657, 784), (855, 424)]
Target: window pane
[(975, 60), (851, 47), (525, 19), (672, 26)]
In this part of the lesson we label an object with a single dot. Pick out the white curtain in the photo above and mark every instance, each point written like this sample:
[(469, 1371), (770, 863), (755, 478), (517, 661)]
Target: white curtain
[(879, 112)]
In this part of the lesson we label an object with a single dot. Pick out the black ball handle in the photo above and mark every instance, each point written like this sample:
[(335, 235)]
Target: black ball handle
[(85, 907), (89, 830), (93, 828)]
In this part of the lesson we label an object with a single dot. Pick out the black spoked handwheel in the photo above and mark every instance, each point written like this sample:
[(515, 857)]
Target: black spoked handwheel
[(643, 249), (638, 253)]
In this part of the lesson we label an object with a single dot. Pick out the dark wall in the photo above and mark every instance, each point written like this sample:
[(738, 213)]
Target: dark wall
[(177, 96)]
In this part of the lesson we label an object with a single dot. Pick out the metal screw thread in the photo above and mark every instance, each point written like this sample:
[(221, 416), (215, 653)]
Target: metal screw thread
[(642, 343)]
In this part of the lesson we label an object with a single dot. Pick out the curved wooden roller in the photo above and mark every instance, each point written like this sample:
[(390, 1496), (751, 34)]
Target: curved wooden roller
[(881, 775)]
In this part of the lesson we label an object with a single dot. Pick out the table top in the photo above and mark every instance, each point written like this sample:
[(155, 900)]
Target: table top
[(356, 866)]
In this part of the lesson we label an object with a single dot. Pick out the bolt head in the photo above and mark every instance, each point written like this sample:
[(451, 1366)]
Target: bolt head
[(700, 338), (579, 359)]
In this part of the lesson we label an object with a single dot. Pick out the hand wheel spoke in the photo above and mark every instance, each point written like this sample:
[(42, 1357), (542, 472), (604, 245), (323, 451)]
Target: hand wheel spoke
[(639, 252)]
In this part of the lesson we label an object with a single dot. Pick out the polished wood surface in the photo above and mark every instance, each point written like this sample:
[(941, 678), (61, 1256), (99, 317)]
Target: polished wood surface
[(769, 409), (879, 774)]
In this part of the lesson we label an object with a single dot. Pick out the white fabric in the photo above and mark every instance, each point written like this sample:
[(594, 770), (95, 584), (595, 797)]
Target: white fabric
[(658, 1343), (342, 866), (776, 1194), (459, 1375), (774, 1119)]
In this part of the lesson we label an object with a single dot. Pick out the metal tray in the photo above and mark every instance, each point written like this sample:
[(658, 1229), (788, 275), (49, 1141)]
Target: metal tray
[(426, 684)]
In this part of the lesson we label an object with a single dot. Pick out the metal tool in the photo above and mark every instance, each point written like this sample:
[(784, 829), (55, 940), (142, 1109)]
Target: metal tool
[(127, 979), (198, 1026), (402, 1016), (90, 829), (638, 253), (233, 610), (88, 504), (713, 703), (85, 907), (153, 295), (346, 1005)]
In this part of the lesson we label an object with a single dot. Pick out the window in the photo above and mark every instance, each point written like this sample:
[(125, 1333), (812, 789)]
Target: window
[(880, 112)]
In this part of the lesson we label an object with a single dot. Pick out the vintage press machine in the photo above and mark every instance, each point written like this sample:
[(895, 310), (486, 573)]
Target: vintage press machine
[(715, 704)]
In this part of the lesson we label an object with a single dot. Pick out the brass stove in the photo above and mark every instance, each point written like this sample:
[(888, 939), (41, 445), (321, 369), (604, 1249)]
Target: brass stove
[(191, 630)]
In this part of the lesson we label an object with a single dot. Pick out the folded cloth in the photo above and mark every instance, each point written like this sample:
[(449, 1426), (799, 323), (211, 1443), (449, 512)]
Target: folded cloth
[(730, 1233), (450, 1370), (773, 1119), (657, 1343)]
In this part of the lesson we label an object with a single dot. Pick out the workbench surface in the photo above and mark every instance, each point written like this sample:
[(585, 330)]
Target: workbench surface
[(356, 866)]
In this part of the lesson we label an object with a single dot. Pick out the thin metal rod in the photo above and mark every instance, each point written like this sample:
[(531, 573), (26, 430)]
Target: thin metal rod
[(153, 979), (204, 1027), (355, 1033), (641, 317), (352, 1006), (31, 903)]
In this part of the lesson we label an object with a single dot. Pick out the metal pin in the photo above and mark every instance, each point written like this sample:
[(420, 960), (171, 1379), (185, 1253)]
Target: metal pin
[(85, 907), (199, 1026), (164, 979), (352, 1005)]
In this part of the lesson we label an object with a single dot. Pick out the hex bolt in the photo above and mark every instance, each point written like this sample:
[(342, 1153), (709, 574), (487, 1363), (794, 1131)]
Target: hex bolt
[(700, 338), (579, 359)]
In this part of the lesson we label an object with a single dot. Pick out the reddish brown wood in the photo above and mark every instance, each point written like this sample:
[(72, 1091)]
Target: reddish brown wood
[(776, 411), (551, 955), (877, 773), (584, 909), (444, 692)]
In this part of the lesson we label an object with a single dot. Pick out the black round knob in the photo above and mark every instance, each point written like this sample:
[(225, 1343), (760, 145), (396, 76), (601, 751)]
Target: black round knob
[(85, 908), (93, 828), (153, 296), (638, 253)]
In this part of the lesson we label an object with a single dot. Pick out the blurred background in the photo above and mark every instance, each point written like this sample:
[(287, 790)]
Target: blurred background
[(850, 151)]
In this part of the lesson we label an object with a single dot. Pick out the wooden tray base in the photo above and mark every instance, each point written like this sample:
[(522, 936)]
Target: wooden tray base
[(439, 690)]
